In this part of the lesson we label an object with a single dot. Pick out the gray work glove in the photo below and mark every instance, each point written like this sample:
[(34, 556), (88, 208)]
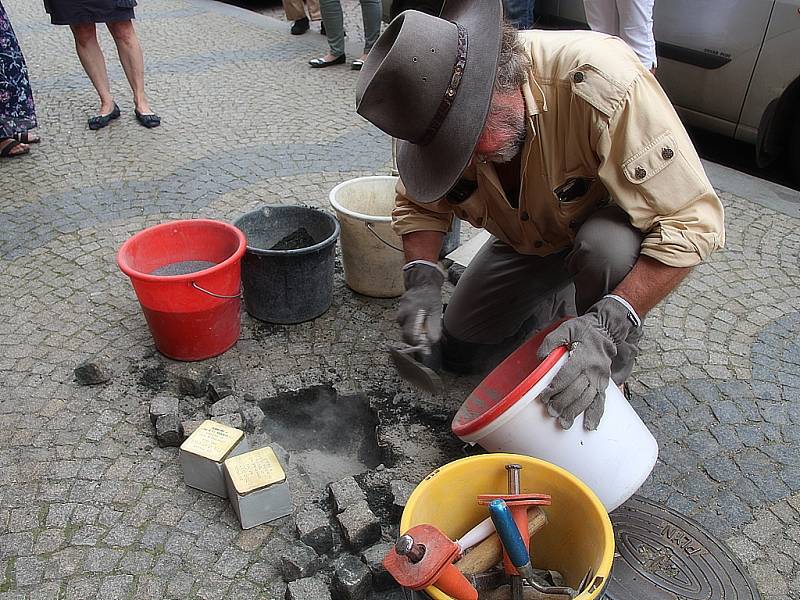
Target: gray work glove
[(420, 311), (593, 339)]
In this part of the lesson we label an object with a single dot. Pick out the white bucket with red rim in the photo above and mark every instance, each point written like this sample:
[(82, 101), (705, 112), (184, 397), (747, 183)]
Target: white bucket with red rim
[(504, 414)]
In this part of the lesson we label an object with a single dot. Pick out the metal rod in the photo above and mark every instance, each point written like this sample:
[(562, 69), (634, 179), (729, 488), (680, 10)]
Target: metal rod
[(405, 546), (513, 478), (513, 488)]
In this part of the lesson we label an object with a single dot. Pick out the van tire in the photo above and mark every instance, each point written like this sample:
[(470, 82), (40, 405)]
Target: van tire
[(794, 151)]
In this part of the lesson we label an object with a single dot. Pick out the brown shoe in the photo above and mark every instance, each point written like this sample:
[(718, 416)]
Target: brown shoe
[(10, 148)]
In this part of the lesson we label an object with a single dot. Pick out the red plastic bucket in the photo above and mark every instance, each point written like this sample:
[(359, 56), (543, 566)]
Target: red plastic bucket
[(195, 315)]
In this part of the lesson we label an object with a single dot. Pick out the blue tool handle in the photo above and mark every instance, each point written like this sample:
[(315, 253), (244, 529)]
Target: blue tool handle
[(509, 533)]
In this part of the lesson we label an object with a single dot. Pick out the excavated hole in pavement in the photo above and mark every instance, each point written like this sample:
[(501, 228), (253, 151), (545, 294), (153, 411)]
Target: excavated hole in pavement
[(375, 436), (328, 436)]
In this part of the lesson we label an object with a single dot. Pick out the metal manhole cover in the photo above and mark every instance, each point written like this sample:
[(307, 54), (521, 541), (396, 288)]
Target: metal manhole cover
[(662, 555)]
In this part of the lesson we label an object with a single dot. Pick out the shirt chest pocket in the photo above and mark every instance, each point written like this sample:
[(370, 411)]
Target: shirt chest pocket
[(473, 209), (572, 191), (575, 199), (663, 176)]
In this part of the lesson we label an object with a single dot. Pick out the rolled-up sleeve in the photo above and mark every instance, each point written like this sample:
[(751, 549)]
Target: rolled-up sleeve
[(408, 216), (652, 171)]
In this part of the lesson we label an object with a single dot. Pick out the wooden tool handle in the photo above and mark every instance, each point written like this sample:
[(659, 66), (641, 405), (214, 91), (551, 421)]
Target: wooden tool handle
[(489, 552)]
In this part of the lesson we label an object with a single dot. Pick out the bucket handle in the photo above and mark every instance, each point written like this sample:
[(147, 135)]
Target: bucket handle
[(220, 296), (375, 233)]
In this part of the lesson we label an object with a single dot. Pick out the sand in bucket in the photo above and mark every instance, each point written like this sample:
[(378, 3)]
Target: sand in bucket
[(183, 267), (299, 238)]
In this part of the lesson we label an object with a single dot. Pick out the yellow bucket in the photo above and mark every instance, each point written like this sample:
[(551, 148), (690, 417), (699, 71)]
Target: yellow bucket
[(578, 535)]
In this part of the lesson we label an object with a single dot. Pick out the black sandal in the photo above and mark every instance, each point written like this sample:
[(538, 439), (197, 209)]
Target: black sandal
[(320, 63), (148, 120), (7, 151), (101, 121), (25, 137)]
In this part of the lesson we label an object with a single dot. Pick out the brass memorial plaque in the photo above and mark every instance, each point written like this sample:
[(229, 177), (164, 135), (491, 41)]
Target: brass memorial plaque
[(212, 440), (254, 470)]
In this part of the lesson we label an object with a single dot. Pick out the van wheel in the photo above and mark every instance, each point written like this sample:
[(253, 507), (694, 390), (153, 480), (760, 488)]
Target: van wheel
[(432, 7), (794, 152)]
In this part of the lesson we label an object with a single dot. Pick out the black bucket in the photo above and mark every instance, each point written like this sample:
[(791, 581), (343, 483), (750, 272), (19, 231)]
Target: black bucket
[(287, 270)]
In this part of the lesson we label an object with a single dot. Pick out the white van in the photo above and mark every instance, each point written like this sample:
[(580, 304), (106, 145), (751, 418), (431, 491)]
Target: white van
[(729, 66)]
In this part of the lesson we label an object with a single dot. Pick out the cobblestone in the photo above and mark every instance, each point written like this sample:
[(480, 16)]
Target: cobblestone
[(314, 529), (373, 558), (225, 406), (231, 420), (163, 405), (308, 589), (93, 372), (168, 431), (345, 493), (359, 525), (298, 561), (352, 578)]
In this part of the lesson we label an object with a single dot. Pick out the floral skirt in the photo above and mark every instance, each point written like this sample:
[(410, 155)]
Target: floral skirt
[(17, 111)]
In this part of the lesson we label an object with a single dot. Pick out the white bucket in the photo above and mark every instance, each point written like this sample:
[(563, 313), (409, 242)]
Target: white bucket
[(371, 251), (503, 414)]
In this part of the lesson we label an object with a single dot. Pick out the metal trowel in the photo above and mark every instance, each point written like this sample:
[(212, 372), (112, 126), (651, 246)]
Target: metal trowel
[(417, 364)]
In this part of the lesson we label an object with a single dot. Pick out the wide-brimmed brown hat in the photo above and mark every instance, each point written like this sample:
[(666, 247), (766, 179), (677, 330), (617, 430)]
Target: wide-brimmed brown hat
[(428, 82)]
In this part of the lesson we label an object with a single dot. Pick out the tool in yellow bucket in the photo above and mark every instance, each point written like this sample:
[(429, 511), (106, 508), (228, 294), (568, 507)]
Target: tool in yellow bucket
[(576, 515), (423, 557), (518, 551), (518, 504)]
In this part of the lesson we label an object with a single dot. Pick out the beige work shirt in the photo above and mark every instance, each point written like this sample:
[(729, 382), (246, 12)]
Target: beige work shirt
[(600, 130)]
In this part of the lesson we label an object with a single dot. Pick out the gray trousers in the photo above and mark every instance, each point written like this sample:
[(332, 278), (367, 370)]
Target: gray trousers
[(332, 17), (503, 296)]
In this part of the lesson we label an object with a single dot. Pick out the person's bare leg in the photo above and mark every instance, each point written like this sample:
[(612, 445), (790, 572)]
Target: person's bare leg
[(94, 63), (132, 60)]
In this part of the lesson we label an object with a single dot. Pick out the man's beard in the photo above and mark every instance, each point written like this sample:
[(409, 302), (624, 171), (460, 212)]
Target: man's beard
[(510, 123), (511, 149)]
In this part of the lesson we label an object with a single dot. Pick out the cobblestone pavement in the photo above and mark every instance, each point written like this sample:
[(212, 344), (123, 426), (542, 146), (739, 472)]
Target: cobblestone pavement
[(90, 506)]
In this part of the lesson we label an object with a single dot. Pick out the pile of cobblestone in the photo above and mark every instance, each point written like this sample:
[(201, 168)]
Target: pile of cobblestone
[(203, 394), (338, 551), (199, 393)]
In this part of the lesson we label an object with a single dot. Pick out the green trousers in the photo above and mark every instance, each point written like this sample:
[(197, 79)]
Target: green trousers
[(333, 18)]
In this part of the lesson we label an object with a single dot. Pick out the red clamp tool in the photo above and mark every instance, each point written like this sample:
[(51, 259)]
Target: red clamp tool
[(424, 557)]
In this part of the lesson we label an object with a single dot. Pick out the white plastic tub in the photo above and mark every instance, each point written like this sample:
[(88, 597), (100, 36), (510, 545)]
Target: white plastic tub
[(504, 414), (371, 251)]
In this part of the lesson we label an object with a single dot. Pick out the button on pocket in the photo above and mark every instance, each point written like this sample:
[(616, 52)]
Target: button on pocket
[(663, 176), (651, 159)]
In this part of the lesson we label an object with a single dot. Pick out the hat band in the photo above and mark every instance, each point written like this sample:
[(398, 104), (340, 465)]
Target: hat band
[(450, 93)]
